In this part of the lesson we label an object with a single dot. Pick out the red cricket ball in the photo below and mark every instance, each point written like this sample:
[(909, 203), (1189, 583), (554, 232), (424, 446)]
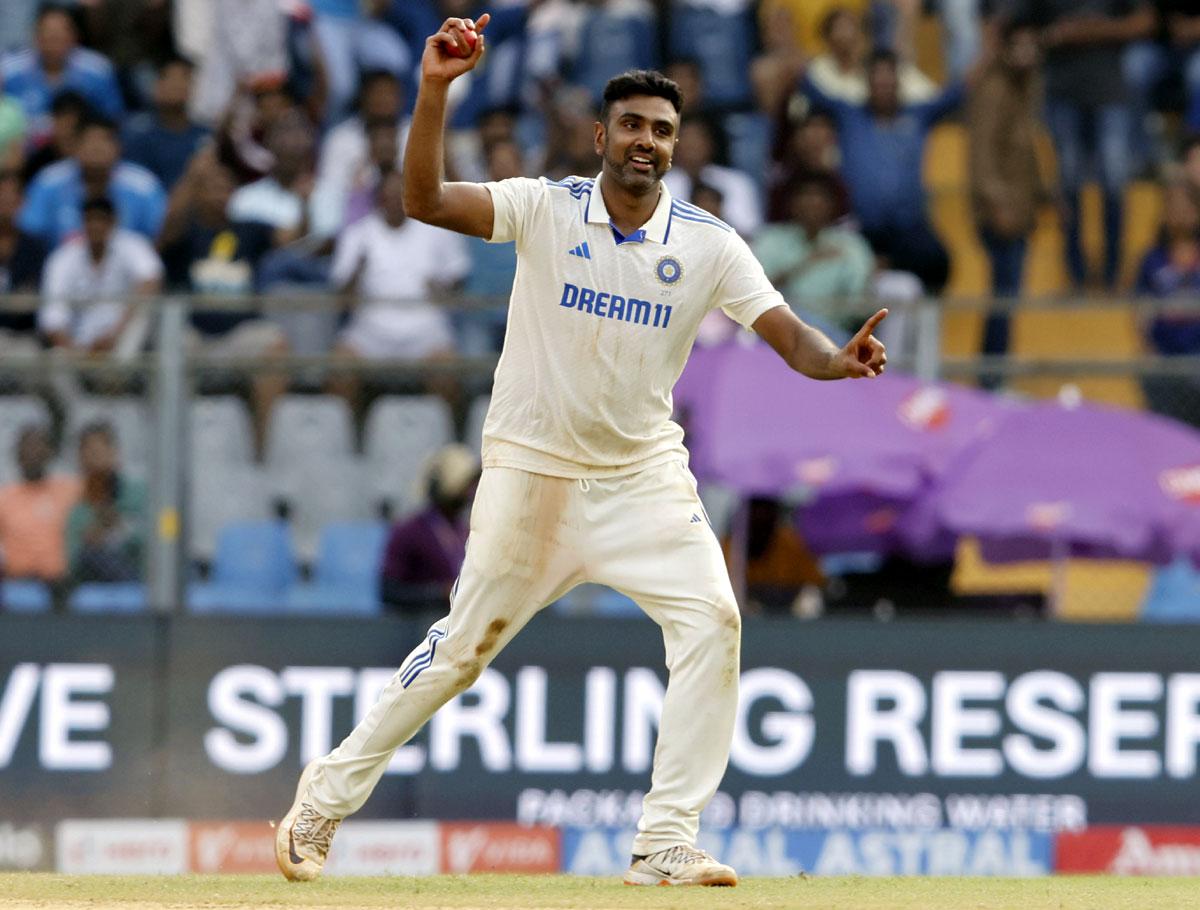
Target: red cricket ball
[(471, 38)]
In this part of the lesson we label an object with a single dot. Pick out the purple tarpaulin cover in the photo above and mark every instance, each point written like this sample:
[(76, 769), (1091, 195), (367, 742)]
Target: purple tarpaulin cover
[(857, 453), (1088, 481)]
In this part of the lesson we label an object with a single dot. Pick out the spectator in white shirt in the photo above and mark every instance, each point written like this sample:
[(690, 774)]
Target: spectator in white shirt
[(841, 71), (345, 164), (90, 282), (694, 156), (284, 198), (393, 267)]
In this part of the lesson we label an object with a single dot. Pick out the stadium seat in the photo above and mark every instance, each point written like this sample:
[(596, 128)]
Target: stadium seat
[(221, 430), (350, 554), (20, 596), (306, 426), (596, 600), (473, 432), (99, 597), (221, 494), (17, 412), (342, 600), (321, 490), (1174, 594), (252, 570), (130, 419), (401, 433)]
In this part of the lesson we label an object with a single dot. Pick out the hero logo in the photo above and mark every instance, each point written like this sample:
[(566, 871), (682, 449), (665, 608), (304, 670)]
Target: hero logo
[(498, 848), (62, 713)]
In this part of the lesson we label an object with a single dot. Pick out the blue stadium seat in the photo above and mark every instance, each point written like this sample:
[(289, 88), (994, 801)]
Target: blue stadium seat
[(346, 574), (19, 596), (252, 570), (596, 600), (1174, 594), (342, 600), (114, 597), (350, 553)]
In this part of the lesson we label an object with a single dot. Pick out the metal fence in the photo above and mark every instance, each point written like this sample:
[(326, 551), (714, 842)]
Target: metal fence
[(208, 435)]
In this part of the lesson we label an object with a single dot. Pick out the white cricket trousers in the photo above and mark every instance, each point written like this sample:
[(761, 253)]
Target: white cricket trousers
[(532, 539)]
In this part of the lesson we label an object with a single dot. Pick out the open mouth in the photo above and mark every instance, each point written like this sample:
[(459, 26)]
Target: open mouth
[(641, 163)]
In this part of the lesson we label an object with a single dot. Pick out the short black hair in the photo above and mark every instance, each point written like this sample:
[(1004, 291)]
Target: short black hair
[(827, 21), (1190, 142), (174, 59), (99, 204), (94, 121), (98, 428), (62, 9), (883, 55), (640, 82), (69, 101)]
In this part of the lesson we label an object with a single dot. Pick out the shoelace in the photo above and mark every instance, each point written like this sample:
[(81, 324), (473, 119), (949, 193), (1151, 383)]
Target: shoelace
[(314, 828), (684, 856)]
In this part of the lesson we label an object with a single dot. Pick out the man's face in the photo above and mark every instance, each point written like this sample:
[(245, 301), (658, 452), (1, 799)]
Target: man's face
[(814, 142), (845, 34), (382, 100), (883, 87), (695, 149), (391, 198), (55, 39), (812, 207), (34, 454), (1021, 52), (504, 161), (97, 454), (1180, 214), (98, 152), (174, 87), (638, 141), (382, 145), (97, 228), (10, 198)]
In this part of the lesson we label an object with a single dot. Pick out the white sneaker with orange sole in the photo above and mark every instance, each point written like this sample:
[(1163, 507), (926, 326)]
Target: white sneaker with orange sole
[(681, 865)]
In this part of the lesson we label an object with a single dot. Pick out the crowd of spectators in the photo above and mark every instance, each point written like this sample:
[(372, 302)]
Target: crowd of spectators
[(158, 106), (254, 147), (71, 528)]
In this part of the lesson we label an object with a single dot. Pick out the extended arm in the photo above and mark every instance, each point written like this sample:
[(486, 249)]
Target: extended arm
[(1083, 30), (807, 350), (462, 207)]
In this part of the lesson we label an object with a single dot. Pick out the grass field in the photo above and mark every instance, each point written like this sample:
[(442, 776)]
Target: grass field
[(525, 892)]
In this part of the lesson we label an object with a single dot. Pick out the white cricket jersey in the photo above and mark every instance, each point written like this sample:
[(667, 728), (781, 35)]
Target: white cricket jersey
[(599, 330)]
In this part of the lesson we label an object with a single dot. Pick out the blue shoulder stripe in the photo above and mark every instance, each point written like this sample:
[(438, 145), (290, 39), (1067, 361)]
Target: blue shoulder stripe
[(689, 208), (684, 215)]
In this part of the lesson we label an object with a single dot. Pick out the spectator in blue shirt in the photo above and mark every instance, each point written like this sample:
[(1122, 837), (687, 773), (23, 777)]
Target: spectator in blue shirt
[(54, 201), (1171, 270), (57, 62), (883, 145), (351, 39), (164, 140)]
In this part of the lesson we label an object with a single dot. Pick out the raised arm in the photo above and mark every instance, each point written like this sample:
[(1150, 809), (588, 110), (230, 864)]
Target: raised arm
[(807, 350), (462, 207)]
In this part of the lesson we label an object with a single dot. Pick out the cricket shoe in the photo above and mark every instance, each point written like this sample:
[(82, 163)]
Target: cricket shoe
[(681, 865), (303, 838)]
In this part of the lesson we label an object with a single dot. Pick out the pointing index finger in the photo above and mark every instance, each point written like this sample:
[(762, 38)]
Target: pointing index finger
[(869, 325)]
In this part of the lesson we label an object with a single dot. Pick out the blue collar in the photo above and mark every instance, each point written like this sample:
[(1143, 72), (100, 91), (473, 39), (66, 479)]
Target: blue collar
[(637, 236)]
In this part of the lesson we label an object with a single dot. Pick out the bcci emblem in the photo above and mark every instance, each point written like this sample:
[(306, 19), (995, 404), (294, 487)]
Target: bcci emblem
[(668, 270)]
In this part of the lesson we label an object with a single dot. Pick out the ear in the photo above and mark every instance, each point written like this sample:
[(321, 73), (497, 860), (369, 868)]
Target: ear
[(599, 134)]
